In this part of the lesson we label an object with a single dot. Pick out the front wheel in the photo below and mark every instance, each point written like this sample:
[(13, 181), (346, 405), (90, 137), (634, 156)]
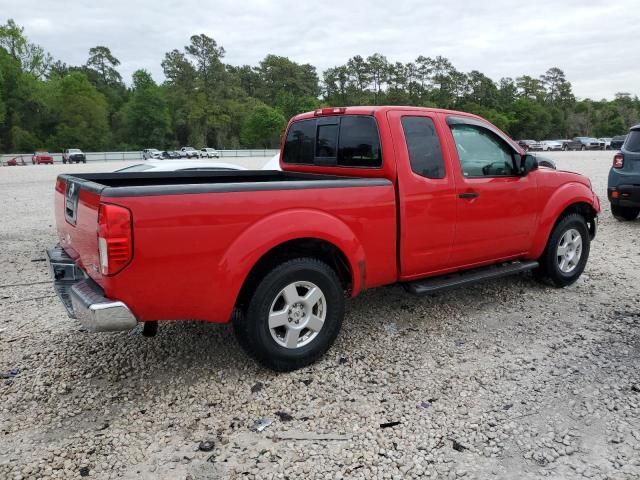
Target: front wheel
[(625, 213), (566, 253), (293, 316)]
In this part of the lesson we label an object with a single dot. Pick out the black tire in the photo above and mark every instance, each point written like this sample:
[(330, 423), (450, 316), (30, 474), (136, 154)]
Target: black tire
[(252, 327), (565, 147), (583, 148), (625, 214), (549, 271)]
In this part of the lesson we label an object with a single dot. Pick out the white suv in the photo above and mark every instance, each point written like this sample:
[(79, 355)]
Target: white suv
[(149, 153), (209, 153)]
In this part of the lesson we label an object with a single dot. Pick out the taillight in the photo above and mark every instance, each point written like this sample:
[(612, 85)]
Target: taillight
[(115, 239), (618, 160), (60, 185)]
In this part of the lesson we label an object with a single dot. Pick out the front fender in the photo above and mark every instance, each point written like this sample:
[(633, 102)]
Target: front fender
[(253, 243), (565, 196)]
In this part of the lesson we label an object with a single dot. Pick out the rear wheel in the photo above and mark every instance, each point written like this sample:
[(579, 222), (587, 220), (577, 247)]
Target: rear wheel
[(625, 213), (566, 253), (583, 148), (293, 316)]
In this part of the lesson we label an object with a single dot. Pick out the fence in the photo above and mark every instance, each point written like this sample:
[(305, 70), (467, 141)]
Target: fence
[(130, 156)]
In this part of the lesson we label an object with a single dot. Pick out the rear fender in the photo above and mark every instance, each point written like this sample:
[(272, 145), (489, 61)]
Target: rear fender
[(567, 195), (261, 237)]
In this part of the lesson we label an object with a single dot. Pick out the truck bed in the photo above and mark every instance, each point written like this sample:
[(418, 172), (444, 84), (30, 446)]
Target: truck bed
[(130, 184)]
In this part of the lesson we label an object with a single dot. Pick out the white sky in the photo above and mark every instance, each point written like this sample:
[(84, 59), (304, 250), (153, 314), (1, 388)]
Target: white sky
[(595, 42)]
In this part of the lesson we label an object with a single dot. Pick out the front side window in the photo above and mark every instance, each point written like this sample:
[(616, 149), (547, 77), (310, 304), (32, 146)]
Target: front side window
[(346, 141), (423, 145), (482, 153)]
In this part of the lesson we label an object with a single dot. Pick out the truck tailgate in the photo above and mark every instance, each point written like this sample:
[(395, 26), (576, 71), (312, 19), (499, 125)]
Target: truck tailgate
[(76, 211)]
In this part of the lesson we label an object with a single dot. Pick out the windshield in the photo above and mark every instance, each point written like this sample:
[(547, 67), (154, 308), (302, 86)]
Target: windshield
[(74, 150)]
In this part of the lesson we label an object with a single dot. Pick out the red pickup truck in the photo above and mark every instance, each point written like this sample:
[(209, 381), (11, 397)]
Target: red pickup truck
[(367, 196)]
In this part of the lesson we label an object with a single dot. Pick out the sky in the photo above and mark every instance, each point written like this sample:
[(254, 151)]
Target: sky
[(594, 42)]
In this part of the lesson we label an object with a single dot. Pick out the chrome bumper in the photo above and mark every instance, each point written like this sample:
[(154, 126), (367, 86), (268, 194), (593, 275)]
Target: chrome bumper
[(84, 299)]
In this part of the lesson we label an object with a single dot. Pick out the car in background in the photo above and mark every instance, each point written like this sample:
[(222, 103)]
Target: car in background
[(583, 143), (170, 155), (530, 145), (189, 152), (149, 153), (606, 141), (71, 155), (617, 141), (42, 158), (551, 145), (623, 186), (180, 165), (209, 153)]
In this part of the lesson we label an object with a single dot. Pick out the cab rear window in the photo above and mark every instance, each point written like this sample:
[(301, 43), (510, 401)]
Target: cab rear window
[(344, 141)]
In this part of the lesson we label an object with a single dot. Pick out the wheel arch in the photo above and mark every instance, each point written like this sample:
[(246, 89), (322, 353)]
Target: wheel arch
[(572, 198), (285, 235)]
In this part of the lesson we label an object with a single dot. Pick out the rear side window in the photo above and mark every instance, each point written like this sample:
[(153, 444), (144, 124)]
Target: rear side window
[(423, 145), (346, 141), (299, 146), (632, 143)]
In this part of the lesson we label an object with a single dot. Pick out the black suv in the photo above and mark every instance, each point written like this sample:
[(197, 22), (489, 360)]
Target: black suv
[(617, 141)]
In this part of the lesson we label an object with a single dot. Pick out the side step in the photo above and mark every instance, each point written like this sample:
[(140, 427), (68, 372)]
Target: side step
[(458, 279)]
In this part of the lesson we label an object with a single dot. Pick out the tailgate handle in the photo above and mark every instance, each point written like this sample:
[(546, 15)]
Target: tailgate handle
[(467, 195)]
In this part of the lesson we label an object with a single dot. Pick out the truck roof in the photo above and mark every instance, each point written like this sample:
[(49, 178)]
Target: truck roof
[(371, 110)]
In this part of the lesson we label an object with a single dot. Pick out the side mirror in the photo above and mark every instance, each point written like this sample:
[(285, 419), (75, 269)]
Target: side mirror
[(528, 163)]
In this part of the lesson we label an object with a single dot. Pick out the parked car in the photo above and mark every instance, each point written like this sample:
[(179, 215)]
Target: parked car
[(149, 153), (41, 158), (623, 189), (606, 141), (583, 143), (551, 145), (71, 155), (189, 152), (368, 196), (617, 141), (530, 145), (171, 155), (209, 153), (180, 165)]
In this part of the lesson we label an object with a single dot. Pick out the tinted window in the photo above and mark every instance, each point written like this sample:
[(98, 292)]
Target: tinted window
[(481, 152), (632, 143), (326, 140), (314, 141), (359, 144), (423, 145), (299, 145)]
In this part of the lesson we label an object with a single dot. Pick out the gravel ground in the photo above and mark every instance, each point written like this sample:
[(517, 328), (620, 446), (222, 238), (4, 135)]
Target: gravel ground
[(506, 379)]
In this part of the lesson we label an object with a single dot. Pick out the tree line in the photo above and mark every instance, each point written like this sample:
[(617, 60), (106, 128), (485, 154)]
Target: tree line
[(47, 104)]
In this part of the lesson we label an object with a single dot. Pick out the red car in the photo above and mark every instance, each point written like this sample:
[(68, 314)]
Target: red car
[(42, 158), (368, 196)]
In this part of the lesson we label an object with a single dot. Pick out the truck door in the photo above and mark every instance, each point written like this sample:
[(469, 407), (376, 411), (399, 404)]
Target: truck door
[(426, 193), (496, 206)]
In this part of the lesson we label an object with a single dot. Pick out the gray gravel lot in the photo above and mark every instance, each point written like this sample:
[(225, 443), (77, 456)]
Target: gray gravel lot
[(506, 379)]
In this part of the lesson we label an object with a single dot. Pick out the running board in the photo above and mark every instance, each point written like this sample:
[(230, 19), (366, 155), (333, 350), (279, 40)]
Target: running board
[(458, 279)]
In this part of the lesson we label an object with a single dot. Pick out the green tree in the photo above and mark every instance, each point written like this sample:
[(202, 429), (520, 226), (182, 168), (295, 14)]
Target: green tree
[(32, 58), (146, 116), (81, 114), (263, 127), (102, 62)]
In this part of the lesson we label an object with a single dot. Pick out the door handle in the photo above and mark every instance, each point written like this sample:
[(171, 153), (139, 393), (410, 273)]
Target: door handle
[(467, 195)]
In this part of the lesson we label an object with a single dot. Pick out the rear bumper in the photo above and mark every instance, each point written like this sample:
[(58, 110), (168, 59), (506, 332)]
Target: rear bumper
[(626, 195), (84, 299)]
